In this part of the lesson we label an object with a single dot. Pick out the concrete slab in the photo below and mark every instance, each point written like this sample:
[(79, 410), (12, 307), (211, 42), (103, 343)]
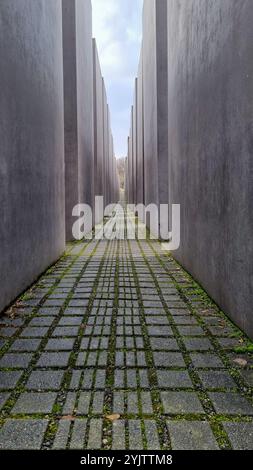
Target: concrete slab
[(140, 195), (210, 147), (98, 126), (78, 106), (155, 106), (32, 230)]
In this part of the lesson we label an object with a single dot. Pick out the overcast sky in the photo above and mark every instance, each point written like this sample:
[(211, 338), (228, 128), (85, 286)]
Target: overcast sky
[(117, 28)]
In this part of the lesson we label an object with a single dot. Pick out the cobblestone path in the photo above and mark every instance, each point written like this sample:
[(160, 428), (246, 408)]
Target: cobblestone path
[(118, 328)]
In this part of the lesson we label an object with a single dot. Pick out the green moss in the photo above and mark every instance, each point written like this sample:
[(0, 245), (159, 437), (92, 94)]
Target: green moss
[(26, 296), (220, 435), (57, 408), (247, 348), (236, 334)]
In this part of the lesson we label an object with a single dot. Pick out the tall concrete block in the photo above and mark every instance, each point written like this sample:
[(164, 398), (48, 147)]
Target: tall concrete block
[(130, 162), (135, 139), (126, 178), (210, 100), (106, 142), (140, 196), (107, 190), (110, 169), (127, 172), (98, 124), (112, 174), (155, 98), (32, 229), (115, 180), (108, 165), (78, 106)]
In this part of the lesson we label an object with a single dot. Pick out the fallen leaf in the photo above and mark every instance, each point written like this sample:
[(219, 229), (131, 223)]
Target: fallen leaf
[(113, 417), (241, 362), (68, 417)]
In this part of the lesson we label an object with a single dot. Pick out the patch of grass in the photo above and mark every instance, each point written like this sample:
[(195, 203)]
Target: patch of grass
[(57, 408), (247, 348), (220, 435), (236, 334)]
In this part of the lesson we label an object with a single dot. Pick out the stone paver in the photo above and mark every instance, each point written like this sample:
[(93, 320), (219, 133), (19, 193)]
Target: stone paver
[(61, 438), (9, 379), (240, 435), (118, 436), (3, 398), (45, 380), (77, 439), (32, 403), (175, 403), (191, 435), (119, 328), (15, 361), (18, 434)]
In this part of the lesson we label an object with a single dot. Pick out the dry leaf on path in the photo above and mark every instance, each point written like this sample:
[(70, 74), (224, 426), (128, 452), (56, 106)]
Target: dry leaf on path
[(241, 362), (113, 417)]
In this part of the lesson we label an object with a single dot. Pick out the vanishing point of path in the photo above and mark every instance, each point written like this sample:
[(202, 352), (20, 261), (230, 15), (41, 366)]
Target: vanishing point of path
[(117, 347)]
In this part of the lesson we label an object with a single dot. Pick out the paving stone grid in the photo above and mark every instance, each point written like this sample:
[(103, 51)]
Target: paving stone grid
[(118, 327)]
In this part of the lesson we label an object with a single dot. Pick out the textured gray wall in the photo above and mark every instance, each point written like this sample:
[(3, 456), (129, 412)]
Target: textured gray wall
[(140, 198), (84, 52), (111, 175), (155, 101), (105, 130), (127, 172), (131, 177), (98, 124), (108, 166), (32, 229), (150, 101), (135, 141), (78, 106), (211, 145)]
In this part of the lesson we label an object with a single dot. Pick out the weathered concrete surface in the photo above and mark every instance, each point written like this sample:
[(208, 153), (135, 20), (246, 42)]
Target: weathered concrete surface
[(78, 106), (107, 161), (130, 161), (108, 165), (85, 100), (98, 124), (155, 101), (127, 171), (106, 141), (116, 183), (112, 176), (32, 229), (135, 140), (210, 146), (111, 173), (140, 196)]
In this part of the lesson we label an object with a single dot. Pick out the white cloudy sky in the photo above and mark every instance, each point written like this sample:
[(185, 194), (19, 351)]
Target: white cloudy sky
[(117, 28)]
